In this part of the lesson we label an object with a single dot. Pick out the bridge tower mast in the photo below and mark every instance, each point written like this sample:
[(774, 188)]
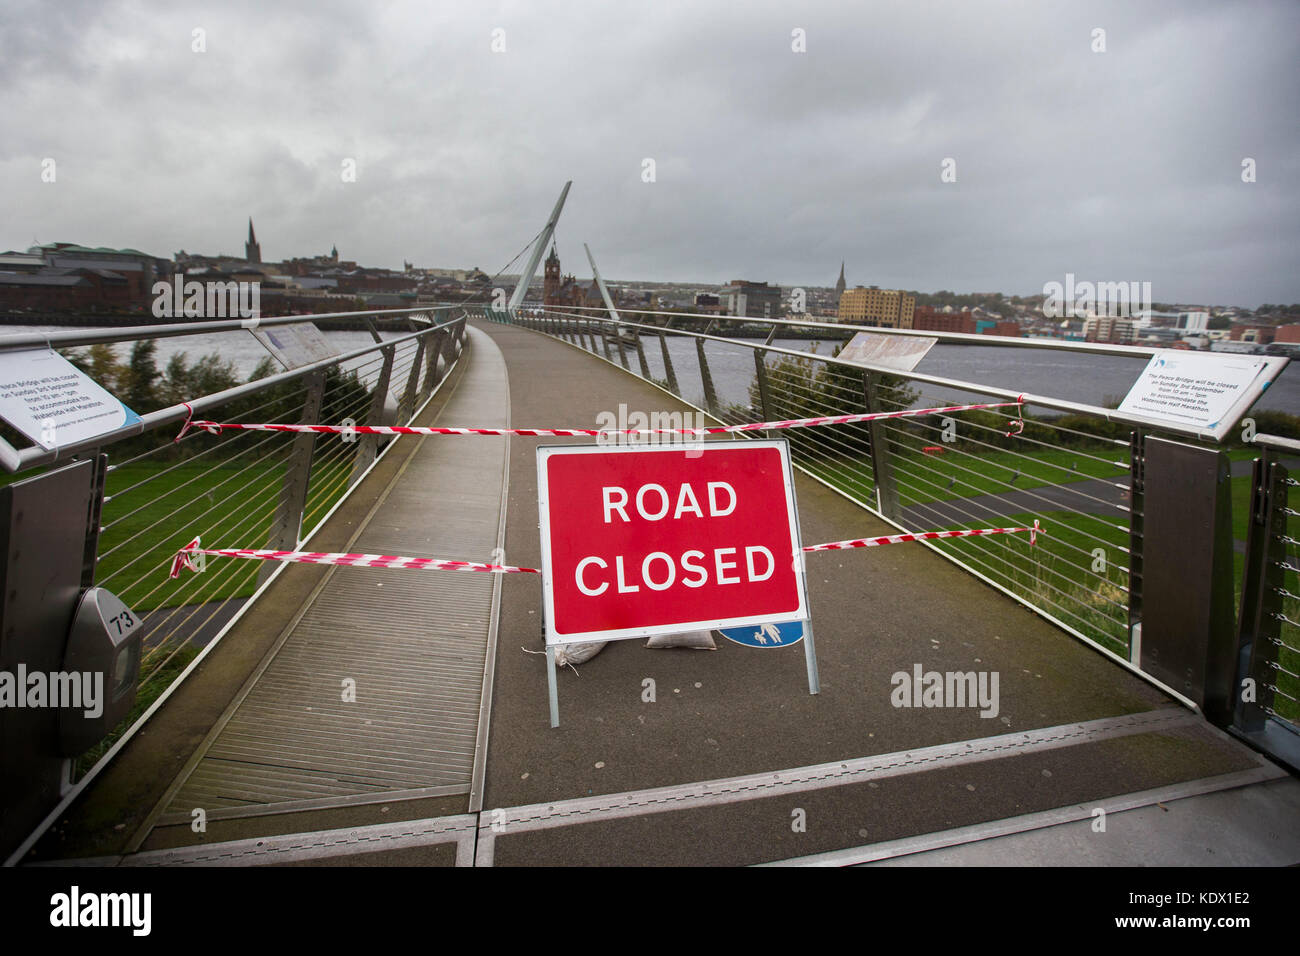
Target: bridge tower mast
[(543, 240)]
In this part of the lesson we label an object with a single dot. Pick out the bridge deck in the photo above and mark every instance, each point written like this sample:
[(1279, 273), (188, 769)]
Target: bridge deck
[(413, 643), (621, 780)]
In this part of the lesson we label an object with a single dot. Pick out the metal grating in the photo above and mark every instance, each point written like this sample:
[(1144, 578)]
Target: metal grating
[(415, 642)]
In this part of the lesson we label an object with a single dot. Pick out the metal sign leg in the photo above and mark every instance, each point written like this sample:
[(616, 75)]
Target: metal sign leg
[(551, 691), (810, 655)]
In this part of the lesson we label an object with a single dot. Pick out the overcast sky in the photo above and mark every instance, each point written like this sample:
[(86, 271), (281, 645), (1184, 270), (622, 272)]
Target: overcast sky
[(769, 164)]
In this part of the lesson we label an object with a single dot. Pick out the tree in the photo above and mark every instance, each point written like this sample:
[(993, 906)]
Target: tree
[(209, 373), (140, 379), (807, 388)]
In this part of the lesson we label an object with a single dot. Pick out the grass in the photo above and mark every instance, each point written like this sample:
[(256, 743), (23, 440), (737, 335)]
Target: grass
[(152, 509), (1078, 570), (956, 474)]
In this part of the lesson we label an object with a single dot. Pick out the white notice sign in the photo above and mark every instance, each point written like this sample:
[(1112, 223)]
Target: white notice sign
[(295, 345), (1196, 389), (52, 402), (903, 352)]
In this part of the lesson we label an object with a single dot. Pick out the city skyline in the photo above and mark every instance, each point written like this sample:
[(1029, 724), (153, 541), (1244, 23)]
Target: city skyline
[(778, 148)]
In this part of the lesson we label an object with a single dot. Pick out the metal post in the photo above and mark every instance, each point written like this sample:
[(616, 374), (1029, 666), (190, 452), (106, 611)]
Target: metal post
[(368, 450), (94, 519), (406, 408), (1263, 583), (881, 468), (810, 658), (622, 350), (1188, 623), (431, 364), (287, 526), (710, 396), (668, 365), (551, 690), (1137, 507), (765, 408), (640, 355)]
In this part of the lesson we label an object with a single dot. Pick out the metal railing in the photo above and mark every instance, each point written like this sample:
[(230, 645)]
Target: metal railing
[(240, 489), (1268, 629), (1072, 466)]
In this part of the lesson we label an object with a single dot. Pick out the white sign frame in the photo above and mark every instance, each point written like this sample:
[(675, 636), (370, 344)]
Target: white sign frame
[(294, 346), (1253, 375), (902, 352), (554, 638), (38, 367), (544, 452)]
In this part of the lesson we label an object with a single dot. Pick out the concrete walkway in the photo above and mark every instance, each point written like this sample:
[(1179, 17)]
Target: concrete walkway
[(743, 718)]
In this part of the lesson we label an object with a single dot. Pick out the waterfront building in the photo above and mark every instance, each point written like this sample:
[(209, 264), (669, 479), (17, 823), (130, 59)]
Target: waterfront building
[(756, 300), (887, 308)]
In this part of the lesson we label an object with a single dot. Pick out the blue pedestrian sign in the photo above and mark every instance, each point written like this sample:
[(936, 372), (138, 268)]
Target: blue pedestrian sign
[(766, 635)]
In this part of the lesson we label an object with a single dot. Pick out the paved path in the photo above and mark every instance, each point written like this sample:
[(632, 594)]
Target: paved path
[(736, 712)]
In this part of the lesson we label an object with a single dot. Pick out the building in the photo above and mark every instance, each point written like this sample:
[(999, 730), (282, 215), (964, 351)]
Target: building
[(840, 284), (252, 248), (756, 300), (1192, 321), (1287, 333), (929, 319), (887, 308), (67, 277), (564, 291), (1258, 334), (1008, 328), (1108, 328), (706, 303)]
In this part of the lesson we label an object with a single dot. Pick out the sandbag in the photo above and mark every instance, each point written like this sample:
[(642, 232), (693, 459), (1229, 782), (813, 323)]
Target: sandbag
[(695, 640), (578, 653)]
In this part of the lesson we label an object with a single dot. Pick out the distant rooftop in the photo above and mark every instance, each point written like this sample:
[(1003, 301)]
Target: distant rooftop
[(75, 248)]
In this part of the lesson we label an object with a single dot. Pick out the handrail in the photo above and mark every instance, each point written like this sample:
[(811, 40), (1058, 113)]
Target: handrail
[(955, 338), (1042, 401), (13, 460), (27, 340), (1278, 442)]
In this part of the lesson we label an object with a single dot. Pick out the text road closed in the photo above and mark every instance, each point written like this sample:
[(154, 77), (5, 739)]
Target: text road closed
[(650, 540)]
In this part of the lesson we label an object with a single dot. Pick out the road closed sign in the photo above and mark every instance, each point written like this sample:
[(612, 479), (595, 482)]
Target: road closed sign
[(649, 540)]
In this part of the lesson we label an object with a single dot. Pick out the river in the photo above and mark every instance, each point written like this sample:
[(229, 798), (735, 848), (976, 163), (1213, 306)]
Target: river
[(1076, 377)]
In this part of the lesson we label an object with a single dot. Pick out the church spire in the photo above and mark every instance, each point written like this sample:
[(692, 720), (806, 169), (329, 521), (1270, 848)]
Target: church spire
[(840, 284), (252, 250)]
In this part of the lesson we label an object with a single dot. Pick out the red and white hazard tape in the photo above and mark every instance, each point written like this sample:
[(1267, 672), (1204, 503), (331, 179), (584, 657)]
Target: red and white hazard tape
[(216, 428), (922, 536), (185, 556)]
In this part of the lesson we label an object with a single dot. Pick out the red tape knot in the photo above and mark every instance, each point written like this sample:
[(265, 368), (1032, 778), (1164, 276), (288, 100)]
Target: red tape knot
[(184, 428), (212, 428), (1017, 426), (184, 558), (1033, 535)]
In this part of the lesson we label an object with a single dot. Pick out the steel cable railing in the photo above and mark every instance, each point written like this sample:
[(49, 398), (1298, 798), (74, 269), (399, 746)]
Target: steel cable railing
[(233, 489), (965, 485)]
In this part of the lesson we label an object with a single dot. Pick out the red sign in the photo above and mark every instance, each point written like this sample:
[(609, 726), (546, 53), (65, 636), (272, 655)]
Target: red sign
[(650, 540)]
